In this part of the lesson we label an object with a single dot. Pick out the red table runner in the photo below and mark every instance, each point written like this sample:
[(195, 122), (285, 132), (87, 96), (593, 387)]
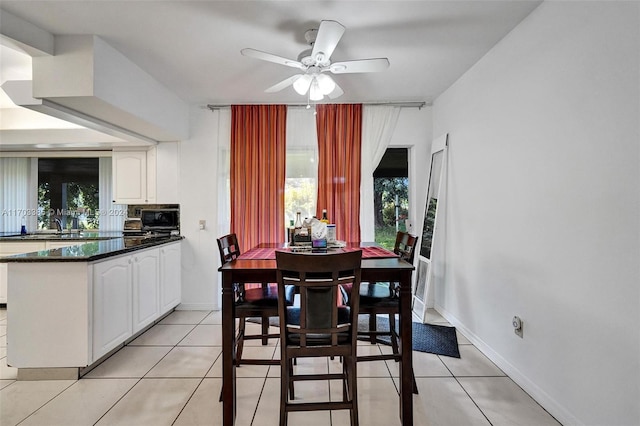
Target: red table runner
[(270, 252)]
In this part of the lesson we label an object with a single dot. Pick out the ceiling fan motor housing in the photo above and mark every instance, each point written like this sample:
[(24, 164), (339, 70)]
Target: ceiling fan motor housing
[(310, 36), (305, 58)]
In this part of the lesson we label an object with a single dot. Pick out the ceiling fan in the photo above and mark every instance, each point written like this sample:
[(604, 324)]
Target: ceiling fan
[(315, 63)]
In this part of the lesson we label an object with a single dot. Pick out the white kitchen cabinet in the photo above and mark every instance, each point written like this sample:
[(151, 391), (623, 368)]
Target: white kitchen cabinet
[(134, 176), (170, 283), (112, 304), (146, 288), (105, 304)]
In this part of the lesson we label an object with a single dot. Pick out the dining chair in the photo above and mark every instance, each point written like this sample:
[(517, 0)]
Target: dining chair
[(319, 326), (255, 300), (382, 298)]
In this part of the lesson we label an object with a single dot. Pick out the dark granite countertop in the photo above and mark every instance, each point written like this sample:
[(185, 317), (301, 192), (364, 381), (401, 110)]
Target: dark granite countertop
[(66, 236), (92, 249)]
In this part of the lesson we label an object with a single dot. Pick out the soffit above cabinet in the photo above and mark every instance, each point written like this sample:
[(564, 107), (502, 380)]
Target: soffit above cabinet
[(89, 83)]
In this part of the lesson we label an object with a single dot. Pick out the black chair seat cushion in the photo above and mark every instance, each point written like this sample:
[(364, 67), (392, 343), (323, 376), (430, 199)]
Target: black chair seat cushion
[(266, 296), (371, 293), (293, 318)]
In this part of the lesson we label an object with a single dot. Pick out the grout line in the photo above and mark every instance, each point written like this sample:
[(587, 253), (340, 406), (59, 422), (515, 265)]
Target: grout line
[(117, 401), (50, 399)]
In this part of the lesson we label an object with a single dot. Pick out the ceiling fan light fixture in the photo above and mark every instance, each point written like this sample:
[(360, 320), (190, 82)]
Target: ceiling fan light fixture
[(301, 85), (315, 93), (325, 83)]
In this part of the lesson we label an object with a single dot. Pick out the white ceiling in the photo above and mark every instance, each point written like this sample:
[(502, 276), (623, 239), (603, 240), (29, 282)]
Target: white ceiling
[(193, 47)]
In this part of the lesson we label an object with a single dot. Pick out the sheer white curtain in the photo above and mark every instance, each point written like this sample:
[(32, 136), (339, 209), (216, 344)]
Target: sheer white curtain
[(378, 124), (14, 194), (111, 215), (223, 141), (301, 179)]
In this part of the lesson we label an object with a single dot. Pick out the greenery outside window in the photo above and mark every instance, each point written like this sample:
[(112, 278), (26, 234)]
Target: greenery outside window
[(68, 191), (391, 196)]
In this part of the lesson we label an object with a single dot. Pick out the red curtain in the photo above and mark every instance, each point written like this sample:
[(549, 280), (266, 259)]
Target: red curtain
[(339, 144), (258, 154)]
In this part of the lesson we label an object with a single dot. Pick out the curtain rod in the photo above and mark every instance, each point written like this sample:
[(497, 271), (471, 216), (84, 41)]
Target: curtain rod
[(418, 105)]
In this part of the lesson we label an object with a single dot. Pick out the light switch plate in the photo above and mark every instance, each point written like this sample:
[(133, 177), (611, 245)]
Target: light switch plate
[(202, 224)]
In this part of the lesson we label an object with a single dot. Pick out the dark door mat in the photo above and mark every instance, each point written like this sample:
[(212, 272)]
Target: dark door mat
[(431, 338)]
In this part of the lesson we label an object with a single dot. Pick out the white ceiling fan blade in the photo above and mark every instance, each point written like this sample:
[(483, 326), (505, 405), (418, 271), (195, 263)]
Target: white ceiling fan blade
[(337, 92), (329, 34), (253, 53), (361, 65), (283, 84)]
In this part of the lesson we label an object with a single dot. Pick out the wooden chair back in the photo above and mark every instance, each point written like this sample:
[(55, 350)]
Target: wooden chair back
[(319, 326), (405, 246), (229, 248)]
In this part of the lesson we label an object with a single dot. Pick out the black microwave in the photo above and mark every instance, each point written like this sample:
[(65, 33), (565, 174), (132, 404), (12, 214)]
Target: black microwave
[(161, 220)]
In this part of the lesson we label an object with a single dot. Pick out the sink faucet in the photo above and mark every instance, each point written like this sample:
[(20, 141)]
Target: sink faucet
[(58, 224)]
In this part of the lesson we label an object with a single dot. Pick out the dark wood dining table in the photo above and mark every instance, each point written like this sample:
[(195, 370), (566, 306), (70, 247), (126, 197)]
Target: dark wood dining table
[(259, 265)]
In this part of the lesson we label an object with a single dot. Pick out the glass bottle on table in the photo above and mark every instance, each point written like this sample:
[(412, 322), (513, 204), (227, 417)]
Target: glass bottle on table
[(290, 231), (324, 216), (298, 226)]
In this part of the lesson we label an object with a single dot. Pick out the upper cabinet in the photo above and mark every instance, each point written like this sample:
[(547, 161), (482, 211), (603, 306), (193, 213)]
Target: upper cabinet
[(134, 177)]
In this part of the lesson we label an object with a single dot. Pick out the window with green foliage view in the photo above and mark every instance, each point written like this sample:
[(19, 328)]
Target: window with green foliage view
[(68, 191)]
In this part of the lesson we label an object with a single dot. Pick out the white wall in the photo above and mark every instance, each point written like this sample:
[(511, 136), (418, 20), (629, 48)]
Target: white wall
[(543, 208), (413, 131), (198, 200)]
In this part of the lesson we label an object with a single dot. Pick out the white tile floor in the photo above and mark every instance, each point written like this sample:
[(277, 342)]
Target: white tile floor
[(171, 375)]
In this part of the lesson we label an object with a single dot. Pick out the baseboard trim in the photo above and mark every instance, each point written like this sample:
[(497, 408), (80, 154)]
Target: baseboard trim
[(558, 411), (197, 307)]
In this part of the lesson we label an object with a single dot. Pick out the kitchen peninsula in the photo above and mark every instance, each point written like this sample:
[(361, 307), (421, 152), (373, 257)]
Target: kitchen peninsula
[(68, 308)]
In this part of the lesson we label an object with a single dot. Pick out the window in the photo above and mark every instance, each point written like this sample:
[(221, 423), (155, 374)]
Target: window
[(300, 186), (301, 183), (391, 196), (68, 191)]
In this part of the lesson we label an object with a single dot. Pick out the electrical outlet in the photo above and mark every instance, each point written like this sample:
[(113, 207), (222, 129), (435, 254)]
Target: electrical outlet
[(518, 326), (202, 224)]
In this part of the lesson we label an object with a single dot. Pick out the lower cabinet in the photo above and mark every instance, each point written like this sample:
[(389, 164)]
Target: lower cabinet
[(170, 285), (146, 288), (131, 292), (112, 305)]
